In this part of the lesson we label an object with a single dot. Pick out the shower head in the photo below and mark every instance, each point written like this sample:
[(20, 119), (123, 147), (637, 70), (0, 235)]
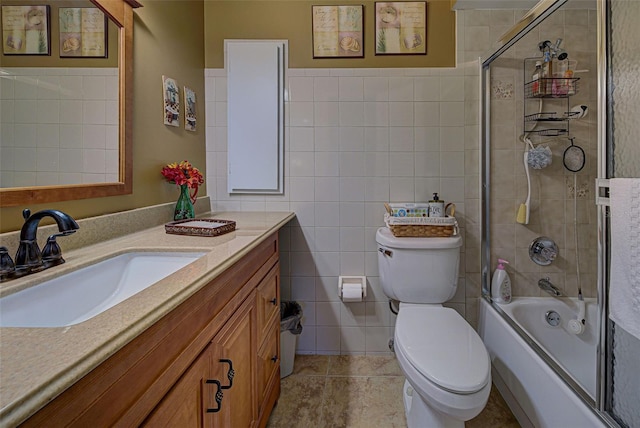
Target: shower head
[(562, 54), (555, 50)]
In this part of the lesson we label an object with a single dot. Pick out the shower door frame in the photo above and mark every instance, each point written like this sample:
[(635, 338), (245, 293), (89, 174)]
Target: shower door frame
[(602, 403), (605, 345), (606, 170)]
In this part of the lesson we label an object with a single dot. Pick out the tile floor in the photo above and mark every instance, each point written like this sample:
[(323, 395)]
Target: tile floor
[(357, 391)]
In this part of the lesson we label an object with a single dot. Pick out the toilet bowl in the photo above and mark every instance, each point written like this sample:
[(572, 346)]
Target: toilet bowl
[(446, 365)]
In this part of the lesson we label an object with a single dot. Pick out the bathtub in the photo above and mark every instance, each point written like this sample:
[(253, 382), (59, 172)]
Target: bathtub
[(536, 394)]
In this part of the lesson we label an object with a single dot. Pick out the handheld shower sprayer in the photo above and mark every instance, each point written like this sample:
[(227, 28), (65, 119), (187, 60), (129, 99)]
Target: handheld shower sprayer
[(561, 54), (577, 325)]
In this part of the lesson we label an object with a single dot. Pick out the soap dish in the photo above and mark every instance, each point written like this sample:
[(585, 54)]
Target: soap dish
[(200, 227)]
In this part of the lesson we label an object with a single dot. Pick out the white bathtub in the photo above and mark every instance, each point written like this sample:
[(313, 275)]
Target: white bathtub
[(537, 396)]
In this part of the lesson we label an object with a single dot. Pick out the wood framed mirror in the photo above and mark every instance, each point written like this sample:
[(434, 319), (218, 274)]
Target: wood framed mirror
[(120, 12)]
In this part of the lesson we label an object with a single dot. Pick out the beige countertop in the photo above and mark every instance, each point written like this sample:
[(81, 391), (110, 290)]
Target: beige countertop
[(37, 364)]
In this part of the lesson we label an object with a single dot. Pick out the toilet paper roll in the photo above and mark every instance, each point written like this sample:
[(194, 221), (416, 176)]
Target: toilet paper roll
[(352, 292)]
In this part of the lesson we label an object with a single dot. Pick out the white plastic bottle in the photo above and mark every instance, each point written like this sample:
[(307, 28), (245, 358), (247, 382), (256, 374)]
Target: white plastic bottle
[(501, 284)]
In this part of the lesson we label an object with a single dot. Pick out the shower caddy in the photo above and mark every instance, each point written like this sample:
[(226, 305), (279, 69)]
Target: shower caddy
[(548, 123)]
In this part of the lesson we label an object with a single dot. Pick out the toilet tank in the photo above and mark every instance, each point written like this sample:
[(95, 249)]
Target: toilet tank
[(418, 270)]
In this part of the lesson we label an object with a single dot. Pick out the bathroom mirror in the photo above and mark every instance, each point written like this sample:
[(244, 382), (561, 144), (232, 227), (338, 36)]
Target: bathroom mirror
[(120, 13)]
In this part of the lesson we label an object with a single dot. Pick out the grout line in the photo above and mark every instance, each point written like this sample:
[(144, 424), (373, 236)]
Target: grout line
[(324, 394)]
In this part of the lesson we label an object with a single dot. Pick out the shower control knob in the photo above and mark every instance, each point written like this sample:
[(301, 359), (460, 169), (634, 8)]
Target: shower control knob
[(549, 253), (543, 251)]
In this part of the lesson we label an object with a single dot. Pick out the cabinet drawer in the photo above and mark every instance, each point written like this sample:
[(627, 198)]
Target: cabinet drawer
[(268, 302), (268, 360)]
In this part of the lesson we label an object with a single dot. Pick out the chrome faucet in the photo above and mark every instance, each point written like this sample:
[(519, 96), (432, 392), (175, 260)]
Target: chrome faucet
[(546, 285), (29, 258)]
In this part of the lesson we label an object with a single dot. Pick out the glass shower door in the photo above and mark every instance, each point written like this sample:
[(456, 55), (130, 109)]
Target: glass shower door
[(621, 391)]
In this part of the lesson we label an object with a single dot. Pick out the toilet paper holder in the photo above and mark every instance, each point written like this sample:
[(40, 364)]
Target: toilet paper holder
[(352, 288)]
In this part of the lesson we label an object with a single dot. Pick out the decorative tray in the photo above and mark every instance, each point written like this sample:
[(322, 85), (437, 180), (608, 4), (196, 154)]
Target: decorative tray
[(200, 227)]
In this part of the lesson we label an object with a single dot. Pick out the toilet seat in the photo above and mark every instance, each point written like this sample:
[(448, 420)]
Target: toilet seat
[(442, 347)]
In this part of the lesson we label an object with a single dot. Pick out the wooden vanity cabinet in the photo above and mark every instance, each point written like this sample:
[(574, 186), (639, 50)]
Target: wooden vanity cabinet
[(192, 400), (173, 372)]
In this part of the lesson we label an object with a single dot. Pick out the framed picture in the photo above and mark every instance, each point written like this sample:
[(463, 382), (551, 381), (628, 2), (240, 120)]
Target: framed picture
[(189, 109), (83, 32), (337, 31), (401, 28), (171, 95), (25, 30)]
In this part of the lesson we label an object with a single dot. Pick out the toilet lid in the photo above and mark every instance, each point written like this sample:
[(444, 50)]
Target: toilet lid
[(443, 347)]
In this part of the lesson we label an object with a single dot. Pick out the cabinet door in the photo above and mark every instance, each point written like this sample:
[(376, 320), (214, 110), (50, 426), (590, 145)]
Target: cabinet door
[(268, 362), (184, 403), (268, 303), (218, 388), (235, 350)]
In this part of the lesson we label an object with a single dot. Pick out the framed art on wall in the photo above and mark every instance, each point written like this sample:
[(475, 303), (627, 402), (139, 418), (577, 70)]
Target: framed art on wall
[(25, 30), (401, 28), (337, 31), (190, 119), (171, 95), (83, 32)]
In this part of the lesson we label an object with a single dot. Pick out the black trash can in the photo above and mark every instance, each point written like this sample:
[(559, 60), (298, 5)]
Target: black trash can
[(290, 328)]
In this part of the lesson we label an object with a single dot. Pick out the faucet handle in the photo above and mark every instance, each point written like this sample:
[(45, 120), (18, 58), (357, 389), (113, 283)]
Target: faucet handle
[(543, 251), (7, 267), (52, 253), (549, 253), (26, 213)]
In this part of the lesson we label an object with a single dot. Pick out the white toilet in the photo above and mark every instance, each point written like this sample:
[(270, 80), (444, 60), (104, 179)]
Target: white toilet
[(447, 367)]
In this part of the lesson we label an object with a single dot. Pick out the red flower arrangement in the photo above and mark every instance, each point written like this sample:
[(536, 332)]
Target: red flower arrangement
[(184, 173)]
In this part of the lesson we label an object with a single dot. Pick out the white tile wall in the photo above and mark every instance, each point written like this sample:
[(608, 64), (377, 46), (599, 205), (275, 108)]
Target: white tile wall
[(354, 142), (356, 138), (58, 126)]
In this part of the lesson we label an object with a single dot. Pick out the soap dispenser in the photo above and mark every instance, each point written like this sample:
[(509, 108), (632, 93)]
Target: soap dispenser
[(501, 284), (436, 207)]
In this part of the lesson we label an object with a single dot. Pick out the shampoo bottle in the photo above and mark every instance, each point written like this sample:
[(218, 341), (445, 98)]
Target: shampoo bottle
[(535, 80), (501, 284)]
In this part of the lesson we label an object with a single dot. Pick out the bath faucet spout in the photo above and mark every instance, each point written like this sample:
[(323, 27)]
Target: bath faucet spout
[(546, 285)]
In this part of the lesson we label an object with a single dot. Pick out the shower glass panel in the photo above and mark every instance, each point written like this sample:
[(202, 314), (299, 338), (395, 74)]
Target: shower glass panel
[(624, 109), (519, 123)]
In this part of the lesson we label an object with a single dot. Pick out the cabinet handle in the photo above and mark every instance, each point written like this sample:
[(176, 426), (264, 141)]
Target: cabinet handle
[(230, 374), (274, 301), (218, 396), (274, 358)]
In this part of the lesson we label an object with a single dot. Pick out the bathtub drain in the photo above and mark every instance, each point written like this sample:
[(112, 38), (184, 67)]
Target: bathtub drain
[(553, 318)]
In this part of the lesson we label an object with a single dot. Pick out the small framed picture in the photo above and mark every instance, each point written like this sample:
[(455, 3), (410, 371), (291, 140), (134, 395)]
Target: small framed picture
[(26, 30), (83, 32), (189, 109), (337, 31), (401, 28), (171, 95)]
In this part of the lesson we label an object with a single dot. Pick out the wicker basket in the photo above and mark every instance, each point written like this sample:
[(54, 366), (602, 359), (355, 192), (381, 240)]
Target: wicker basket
[(423, 227)]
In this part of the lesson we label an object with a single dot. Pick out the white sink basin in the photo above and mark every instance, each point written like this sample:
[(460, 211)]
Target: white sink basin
[(82, 294)]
